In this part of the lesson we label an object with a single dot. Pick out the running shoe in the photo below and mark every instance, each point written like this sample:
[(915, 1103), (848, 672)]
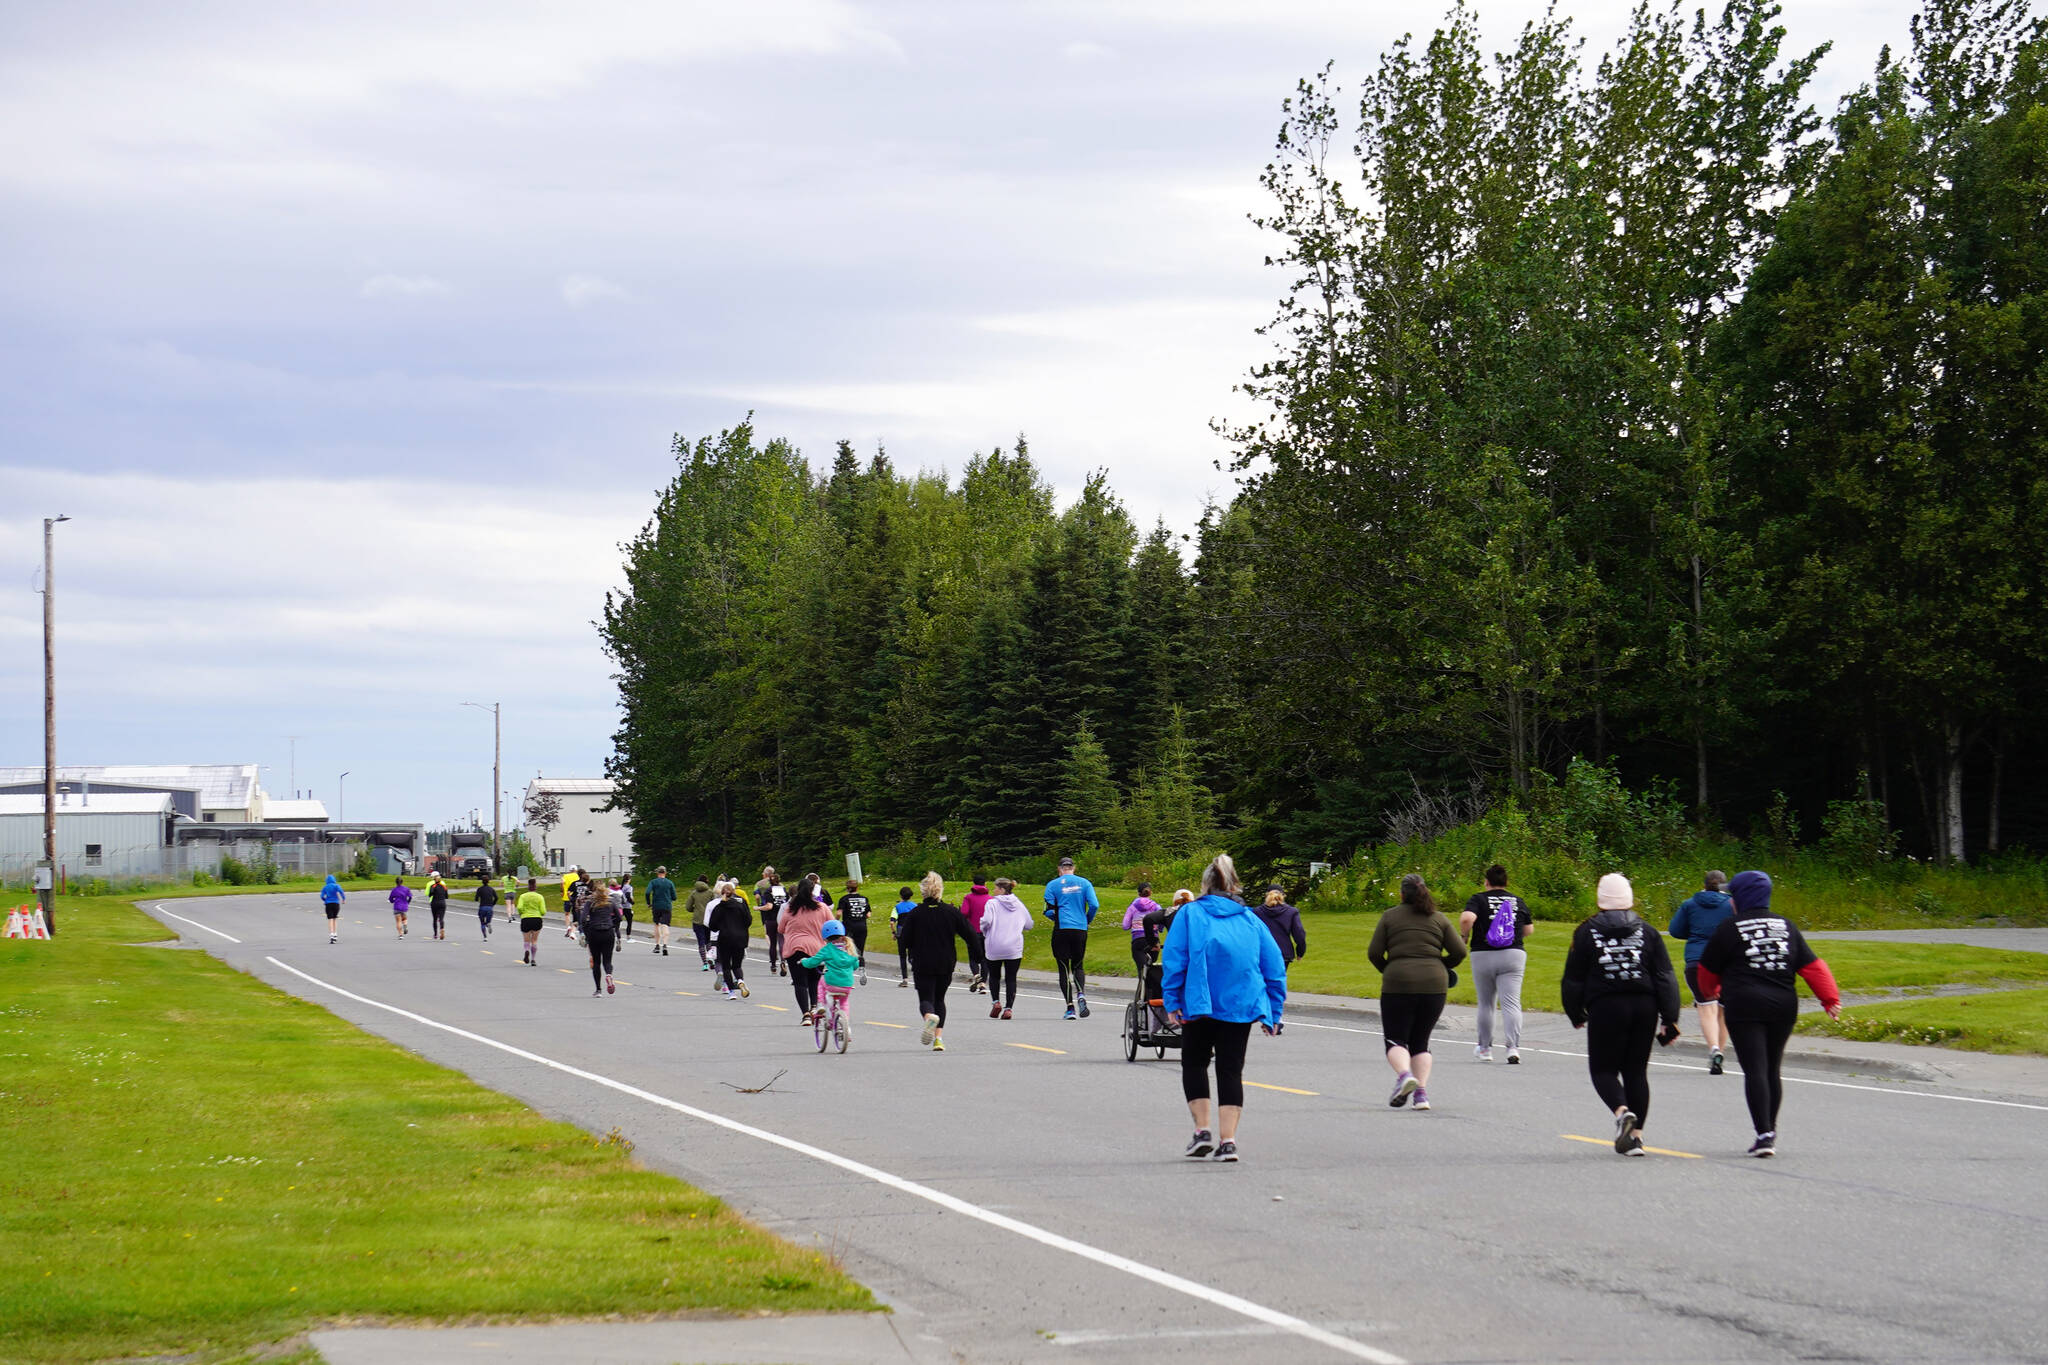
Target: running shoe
[(938, 1044), (1421, 1098), (1484, 1054), (1635, 1146), (744, 992), (860, 978), (1070, 1011), (1006, 1011), (1514, 1056), (1715, 1063), (704, 967), (1082, 1001), (1766, 1144), (1201, 1145), (610, 988), (1624, 1129), (334, 938), (597, 992), (995, 1011), (931, 1029), (1403, 1088), (904, 984), (1226, 1151)]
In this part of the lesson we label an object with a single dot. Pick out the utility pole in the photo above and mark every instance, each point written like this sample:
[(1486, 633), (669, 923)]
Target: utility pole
[(294, 740), (46, 875), (497, 755)]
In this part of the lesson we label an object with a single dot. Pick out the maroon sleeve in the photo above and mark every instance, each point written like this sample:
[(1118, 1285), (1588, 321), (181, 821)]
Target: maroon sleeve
[(1710, 983), (1821, 980)]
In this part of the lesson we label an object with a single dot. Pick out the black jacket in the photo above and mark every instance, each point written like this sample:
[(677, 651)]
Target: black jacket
[(1285, 922), (1617, 953), (597, 916), (927, 935), (731, 920)]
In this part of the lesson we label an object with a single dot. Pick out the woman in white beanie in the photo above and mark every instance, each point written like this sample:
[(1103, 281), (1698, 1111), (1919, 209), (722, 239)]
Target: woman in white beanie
[(1618, 984)]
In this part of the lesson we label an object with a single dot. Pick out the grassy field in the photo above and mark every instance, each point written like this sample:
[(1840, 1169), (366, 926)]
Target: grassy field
[(2007, 1021), (199, 1164)]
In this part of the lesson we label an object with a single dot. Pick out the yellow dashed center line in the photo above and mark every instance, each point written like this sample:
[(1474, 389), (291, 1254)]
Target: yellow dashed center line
[(1033, 1047), (686, 992), (1609, 1142), (1283, 1089), (876, 1023), (779, 1009), (487, 952)]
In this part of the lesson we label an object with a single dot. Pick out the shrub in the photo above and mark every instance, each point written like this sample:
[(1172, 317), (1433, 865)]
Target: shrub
[(235, 872), (1853, 834), (363, 866)]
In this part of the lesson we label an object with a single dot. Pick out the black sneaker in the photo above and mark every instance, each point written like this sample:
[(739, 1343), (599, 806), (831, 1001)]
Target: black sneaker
[(1200, 1145), (1081, 1004), (1624, 1130), (1635, 1146), (1226, 1151), (1714, 1067), (1766, 1144)]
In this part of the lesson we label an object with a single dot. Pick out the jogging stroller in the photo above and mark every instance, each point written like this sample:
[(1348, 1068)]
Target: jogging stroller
[(1145, 1017)]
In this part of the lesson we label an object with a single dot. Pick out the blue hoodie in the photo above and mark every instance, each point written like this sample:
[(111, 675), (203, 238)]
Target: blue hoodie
[(1220, 962), (1070, 902), (1697, 920), (332, 893)]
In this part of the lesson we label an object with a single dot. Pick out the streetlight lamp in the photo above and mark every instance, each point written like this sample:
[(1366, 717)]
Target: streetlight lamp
[(46, 875), (341, 799), (497, 752)]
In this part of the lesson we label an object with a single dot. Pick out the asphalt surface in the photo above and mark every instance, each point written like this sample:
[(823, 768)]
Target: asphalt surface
[(988, 1193)]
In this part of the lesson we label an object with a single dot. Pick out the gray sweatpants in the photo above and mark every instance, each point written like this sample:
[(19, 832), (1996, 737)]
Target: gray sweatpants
[(1497, 975)]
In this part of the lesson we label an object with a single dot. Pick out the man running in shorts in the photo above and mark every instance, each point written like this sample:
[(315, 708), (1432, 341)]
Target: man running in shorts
[(1071, 903), (661, 904)]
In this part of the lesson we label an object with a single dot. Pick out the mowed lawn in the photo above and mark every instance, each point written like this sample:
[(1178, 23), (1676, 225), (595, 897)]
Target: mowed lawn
[(198, 1163)]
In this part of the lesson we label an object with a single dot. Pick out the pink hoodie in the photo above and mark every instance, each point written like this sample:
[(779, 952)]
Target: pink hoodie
[(972, 903)]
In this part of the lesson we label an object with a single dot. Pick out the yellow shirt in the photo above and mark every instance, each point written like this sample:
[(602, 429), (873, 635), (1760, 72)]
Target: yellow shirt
[(532, 905)]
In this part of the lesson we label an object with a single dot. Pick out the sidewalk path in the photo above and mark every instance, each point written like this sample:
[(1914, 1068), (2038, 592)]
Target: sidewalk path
[(2016, 940), (851, 1339)]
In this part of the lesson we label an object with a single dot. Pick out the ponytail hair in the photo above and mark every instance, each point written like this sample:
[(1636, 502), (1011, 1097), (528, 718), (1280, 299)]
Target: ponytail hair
[(1415, 894)]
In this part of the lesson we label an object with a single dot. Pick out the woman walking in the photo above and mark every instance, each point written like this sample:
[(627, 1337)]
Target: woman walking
[(1142, 939), (770, 895), (1417, 952), (1220, 973), (971, 905), (928, 933), (1617, 984), (730, 922), (600, 936), (533, 914), (331, 897), (1004, 922), (803, 934), (401, 902), (1695, 922), (1496, 923), (1749, 966), (1283, 921)]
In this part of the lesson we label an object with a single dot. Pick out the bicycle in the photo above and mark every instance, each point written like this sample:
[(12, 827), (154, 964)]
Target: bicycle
[(828, 1025)]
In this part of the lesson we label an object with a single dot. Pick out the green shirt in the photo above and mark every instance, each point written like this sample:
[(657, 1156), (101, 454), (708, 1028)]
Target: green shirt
[(532, 905), (839, 965)]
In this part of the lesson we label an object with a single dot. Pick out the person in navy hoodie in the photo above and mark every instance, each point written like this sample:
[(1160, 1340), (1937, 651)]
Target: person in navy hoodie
[(1749, 966), (1221, 972), (1696, 922)]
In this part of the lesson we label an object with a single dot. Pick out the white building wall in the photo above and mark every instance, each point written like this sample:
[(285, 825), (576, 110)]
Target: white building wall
[(590, 837)]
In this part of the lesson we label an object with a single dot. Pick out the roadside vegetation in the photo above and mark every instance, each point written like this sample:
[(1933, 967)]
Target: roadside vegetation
[(203, 1164)]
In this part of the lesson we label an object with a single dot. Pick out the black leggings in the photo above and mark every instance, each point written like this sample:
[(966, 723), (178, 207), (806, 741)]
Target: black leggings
[(902, 960), (774, 942), (1407, 1020), (1620, 1031), (1199, 1039), (931, 990), (1759, 1041), (626, 919), (600, 944), (1141, 954), (977, 965), (1070, 950), (857, 930), (703, 933), (440, 918), (804, 981), (732, 964), (1002, 979)]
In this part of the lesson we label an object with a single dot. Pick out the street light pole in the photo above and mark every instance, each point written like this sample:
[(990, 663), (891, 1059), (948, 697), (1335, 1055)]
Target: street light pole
[(341, 800), (497, 754), (46, 882)]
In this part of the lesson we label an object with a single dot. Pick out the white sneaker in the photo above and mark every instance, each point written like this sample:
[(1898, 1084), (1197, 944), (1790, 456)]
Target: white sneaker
[(1484, 1054), (931, 1030), (1514, 1056)]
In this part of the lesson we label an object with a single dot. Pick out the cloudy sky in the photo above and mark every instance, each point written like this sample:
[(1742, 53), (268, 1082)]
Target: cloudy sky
[(353, 337)]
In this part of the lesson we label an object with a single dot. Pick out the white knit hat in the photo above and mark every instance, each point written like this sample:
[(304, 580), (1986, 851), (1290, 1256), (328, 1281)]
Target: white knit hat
[(1615, 893)]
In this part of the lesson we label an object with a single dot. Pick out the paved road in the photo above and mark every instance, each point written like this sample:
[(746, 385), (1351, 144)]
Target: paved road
[(2017, 940), (986, 1193)]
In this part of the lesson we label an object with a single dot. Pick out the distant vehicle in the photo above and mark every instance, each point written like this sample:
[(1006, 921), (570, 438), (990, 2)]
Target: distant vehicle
[(472, 862)]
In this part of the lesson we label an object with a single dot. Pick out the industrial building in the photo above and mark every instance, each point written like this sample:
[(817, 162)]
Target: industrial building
[(588, 833)]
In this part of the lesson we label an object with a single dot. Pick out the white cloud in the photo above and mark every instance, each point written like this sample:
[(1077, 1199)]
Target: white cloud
[(581, 290), (404, 287), (1084, 51)]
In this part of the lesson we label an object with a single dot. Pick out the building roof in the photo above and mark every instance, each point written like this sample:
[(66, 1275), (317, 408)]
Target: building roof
[(98, 803), (574, 786), (220, 785), (276, 810)]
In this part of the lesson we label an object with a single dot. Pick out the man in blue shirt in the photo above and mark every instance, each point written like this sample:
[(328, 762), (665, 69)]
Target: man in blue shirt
[(1070, 903)]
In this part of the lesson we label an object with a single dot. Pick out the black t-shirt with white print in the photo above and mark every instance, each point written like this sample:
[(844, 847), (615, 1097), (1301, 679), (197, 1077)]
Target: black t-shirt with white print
[(1758, 957)]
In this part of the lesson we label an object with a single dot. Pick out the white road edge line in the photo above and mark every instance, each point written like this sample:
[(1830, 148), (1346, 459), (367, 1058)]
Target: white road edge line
[(197, 925), (1165, 1279)]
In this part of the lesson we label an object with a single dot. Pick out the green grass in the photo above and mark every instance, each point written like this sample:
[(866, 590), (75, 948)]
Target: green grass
[(2005, 1021), (200, 1164)]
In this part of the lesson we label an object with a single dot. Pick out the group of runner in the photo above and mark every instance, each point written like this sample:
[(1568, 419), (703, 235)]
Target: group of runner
[(1217, 978)]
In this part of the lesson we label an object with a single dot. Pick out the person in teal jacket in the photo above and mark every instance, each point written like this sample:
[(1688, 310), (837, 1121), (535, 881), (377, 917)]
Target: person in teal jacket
[(1220, 973), (1071, 903), (331, 897), (839, 963)]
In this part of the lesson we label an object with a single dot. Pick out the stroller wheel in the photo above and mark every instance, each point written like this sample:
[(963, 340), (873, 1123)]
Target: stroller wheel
[(1131, 1018)]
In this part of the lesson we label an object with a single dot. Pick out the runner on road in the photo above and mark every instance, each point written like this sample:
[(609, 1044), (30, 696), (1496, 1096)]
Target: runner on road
[(1134, 920), (1695, 922), (1003, 925), (904, 905), (661, 904), (569, 901), (331, 897), (1220, 973), (622, 901), (1749, 967), (533, 914), (486, 904), (1416, 950), (731, 921), (600, 936), (702, 898), (928, 931), (1495, 924), (401, 902), (853, 913), (1071, 903), (971, 905), (770, 896), (1617, 984), (437, 905), (803, 925)]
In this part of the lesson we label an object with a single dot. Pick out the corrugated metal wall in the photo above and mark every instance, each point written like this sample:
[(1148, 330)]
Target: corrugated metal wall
[(130, 844)]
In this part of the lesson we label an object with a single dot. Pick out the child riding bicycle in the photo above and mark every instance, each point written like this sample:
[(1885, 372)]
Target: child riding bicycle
[(839, 963)]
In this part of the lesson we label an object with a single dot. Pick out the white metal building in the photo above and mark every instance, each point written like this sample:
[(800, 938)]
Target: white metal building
[(587, 835), (227, 793), (112, 834)]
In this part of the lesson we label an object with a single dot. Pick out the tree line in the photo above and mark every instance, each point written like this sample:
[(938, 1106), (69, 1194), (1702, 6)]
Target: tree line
[(1617, 410)]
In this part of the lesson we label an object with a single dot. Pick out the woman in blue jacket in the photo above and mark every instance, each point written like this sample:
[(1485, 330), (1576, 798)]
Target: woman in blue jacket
[(1696, 922), (1221, 973)]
